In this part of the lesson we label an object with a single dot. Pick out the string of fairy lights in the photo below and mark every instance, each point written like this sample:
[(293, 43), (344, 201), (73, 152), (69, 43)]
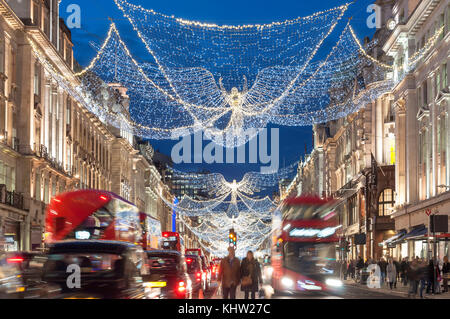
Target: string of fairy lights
[(230, 82), (229, 205)]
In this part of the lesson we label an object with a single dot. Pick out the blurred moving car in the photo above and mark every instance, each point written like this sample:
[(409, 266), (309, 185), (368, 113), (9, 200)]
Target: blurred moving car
[(20, 276), (107, 269), (196, 274), (207, 272), (168, 278)]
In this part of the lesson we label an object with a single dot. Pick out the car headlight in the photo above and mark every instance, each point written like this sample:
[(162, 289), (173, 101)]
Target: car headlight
[(287, 282), (333, 282)]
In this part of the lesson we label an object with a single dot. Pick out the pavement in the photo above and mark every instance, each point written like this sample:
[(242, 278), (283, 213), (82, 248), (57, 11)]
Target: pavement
[(351, 290), (400, 290)]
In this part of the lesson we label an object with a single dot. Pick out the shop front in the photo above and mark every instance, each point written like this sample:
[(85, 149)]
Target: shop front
[(389, 245), (11, 230)]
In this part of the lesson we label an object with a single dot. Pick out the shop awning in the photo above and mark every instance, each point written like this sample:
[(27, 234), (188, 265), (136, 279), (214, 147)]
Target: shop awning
[(417, 232), (392, 241)]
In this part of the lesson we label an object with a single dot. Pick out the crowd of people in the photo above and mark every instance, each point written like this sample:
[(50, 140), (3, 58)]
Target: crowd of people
[(420, 275), (233, 273)]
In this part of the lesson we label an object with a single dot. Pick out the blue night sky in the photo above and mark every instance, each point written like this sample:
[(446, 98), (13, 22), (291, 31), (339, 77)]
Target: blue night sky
[(95, 25)]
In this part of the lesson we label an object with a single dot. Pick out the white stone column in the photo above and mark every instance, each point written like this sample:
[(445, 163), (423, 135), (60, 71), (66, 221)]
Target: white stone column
[(411, 139), (53, 119), (447, 152), (379, 130), (45, 125), (434, 141), (400, 152)]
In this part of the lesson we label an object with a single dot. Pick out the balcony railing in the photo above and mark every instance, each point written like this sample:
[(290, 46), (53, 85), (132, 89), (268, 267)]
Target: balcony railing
[(12, 199), (12, 143), (54, 163)]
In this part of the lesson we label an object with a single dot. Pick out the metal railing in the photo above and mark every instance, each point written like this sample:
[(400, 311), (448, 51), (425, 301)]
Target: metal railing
[(12, 199)]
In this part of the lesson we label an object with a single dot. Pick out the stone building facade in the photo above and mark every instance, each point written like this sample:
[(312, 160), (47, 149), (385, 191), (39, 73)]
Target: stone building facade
[(51, 144), (422, 102)]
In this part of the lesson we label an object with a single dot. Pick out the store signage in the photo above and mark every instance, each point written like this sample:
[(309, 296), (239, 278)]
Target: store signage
[(312, 232), (428, 212)]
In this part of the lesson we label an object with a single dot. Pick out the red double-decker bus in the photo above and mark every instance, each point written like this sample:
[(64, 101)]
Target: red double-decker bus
[(92, 214), (172, 241), (304, 246)]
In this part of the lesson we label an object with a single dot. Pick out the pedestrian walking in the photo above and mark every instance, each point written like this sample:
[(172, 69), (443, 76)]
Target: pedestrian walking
[(404, 270), (422, 275), (250, 276), (344, 270), (397, 270), (391, 273), (413, 277), (382, 264), (229, 274), (437, 277), (430, 277), (445, 273), (351, 268)]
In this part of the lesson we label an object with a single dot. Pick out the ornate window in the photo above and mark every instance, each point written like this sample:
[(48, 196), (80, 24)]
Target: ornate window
[(386, 202)]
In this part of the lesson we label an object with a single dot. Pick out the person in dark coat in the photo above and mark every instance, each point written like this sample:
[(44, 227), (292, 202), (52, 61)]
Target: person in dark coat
[(229, 274), (413, 274), (404, 269), (250, 268), (445, 273), (397, 269), (430, 279)]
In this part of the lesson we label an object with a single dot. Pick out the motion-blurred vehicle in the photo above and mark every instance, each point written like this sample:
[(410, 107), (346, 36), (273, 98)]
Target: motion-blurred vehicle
[(168, 278), (304, 246), (196, 274), (106, 269), (172, 241), (21, 276), (92, 215), (215, 268), (206, 272)]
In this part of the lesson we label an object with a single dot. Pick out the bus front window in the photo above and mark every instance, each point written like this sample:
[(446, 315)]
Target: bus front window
[(309, 258)]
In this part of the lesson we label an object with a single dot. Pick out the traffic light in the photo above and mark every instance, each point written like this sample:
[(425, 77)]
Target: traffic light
[(232, 238)]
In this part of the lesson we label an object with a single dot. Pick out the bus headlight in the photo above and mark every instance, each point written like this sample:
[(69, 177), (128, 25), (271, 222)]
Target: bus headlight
[(333, 282), (287, 282)]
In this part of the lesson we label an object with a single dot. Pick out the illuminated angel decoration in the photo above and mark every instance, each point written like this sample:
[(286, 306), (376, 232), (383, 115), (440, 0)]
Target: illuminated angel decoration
[(231, 80)]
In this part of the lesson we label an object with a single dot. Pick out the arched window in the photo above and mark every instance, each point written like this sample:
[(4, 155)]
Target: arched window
[(386, 202)]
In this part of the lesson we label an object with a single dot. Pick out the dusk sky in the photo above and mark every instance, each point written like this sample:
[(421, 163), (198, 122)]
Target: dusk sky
[(95, 22)]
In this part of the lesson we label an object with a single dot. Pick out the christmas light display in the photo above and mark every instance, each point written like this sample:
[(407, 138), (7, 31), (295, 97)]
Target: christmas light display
[(230, 205), (225, 80)]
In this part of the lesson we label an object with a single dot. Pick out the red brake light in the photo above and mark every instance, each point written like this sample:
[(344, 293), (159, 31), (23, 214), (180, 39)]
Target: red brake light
[(165, 235), (181, 286), (14, 260), (189, 260), (103, 197), (57, 200)]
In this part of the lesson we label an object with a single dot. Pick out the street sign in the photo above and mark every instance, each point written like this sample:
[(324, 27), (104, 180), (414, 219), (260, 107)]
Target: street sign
[(428, 212)]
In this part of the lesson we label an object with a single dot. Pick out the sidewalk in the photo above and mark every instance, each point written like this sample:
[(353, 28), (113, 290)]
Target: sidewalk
[(239, 294), (399, 291)]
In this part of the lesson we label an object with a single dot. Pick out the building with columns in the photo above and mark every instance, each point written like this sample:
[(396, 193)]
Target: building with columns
[(353, 161), (421, 99), (49, 143)]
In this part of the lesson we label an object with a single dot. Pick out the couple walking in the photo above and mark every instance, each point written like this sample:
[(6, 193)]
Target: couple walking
[(233, 272)]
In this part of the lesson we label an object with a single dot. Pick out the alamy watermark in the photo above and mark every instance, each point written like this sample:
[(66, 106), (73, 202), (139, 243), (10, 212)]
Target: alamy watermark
[(73, 281), (187, 152)]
